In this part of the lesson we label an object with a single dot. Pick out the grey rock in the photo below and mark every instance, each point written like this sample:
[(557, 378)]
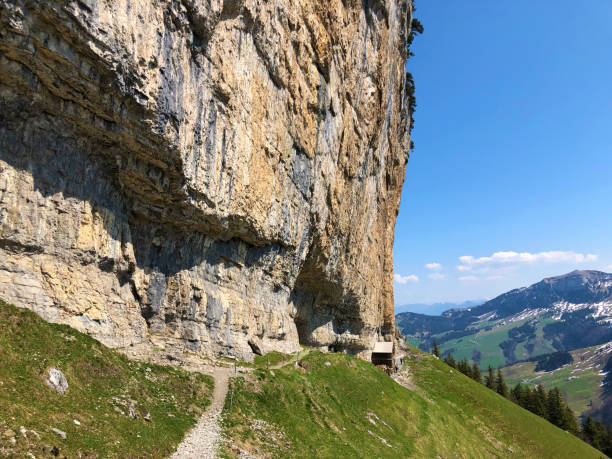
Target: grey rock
[(132, 410), (59, 433), (57, 381)]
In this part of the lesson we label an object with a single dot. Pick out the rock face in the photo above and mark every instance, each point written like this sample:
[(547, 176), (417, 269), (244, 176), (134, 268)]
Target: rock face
[(192, 174)]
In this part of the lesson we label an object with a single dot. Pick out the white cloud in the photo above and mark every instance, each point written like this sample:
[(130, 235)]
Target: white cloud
[(510, 259), (468, 278), (608, 268), (405, 279), (437, 276), (434, 266)]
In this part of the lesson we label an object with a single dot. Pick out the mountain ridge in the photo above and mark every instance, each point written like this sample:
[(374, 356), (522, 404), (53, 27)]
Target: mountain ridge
[(564, 312), (436, 308)]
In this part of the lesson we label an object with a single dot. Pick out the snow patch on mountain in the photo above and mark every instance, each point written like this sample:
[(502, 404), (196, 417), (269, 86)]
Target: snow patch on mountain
[(601, 311)]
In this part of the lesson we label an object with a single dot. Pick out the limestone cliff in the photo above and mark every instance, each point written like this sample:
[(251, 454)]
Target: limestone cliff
[(198, 174)]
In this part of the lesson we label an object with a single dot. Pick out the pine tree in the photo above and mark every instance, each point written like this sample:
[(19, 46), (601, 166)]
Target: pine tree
[(450, 361), (526, 397), (569, 421), (490, 379), (554, 407), (464, 367), (601, 436), (500, 385), (538, 402), (436, 349), (588, 431), (608, 449), (476, 375), (517, 395)]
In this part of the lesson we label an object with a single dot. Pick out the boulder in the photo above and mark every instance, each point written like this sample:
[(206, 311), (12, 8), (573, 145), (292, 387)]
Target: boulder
[(59, 433), (57, 381)]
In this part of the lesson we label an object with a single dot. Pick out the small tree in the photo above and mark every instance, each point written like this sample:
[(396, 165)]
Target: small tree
[(500, 385), (464, 367), (520, 395), (538, 402), (490, 379), (436, 349), (450, 361), (569, 421), (476, 375), (554, 407)]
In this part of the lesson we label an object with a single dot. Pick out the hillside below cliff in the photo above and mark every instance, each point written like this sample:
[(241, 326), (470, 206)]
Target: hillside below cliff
[(325, 406), (215, 177)]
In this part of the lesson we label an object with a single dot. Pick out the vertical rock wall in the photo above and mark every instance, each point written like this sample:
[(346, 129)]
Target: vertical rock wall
[(198, 174)]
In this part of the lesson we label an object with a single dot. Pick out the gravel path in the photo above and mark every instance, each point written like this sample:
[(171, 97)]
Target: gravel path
[(201, 441)]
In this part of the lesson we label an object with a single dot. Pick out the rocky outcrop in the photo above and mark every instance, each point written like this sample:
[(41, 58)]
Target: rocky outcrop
[(198, 174)]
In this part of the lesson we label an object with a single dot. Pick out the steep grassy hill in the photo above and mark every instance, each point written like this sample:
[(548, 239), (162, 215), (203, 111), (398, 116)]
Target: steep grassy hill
[(333, 405), (101, 385), (583, 381)]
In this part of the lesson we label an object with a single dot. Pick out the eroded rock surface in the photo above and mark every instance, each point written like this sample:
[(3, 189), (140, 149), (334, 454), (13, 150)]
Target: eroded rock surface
[(192, 174)]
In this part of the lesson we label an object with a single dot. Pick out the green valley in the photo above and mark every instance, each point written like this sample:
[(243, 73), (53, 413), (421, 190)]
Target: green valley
[(581, 381)]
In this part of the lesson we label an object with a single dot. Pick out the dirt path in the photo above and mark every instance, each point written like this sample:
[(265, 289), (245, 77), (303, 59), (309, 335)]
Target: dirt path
[(201, 441)]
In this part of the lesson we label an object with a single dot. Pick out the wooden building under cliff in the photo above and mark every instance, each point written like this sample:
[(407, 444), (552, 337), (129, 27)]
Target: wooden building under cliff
[(383, 354)]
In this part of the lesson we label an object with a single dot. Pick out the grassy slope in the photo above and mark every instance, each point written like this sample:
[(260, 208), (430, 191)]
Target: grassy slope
[(579, 381), (29, 346), (352, 409)]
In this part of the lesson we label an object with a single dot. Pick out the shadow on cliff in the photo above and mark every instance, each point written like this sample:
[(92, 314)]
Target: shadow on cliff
[(326, 312), (65, 164)]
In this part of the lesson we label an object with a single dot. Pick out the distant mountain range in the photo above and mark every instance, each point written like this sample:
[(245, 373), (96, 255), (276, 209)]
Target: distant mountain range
[(559, 313), (434, 309)]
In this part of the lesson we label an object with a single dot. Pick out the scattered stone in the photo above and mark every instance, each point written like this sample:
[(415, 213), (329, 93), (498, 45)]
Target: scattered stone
[(119, 410), (33, 432), (30, 455), (23, 431), (59, 433), (272, 373), (76, 421), (147, 417), (57, 381), (9, 433), (327, 364), (132, 411)]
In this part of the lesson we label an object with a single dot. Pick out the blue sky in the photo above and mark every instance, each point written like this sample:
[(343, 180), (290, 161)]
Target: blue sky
[(513, 148)]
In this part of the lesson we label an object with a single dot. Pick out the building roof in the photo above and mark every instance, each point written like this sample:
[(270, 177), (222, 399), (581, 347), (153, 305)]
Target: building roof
[(383, 347)]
